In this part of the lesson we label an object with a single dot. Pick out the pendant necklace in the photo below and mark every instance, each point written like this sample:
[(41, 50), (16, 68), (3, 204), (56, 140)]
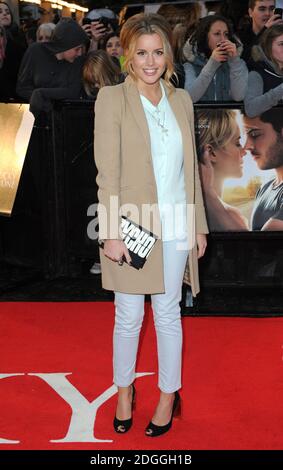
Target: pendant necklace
[(160, 123)]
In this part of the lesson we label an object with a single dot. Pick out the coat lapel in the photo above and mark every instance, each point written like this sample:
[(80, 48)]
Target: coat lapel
[(136, 106)]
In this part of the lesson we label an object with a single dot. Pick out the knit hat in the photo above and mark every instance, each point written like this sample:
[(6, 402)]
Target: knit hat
[(66, 35)]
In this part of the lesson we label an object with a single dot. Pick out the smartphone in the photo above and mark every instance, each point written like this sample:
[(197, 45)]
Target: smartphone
[(87, 21), (278, 11), (105, 21)]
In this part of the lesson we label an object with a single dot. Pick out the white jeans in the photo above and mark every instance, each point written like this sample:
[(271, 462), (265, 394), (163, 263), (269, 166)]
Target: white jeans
[(129, 315)]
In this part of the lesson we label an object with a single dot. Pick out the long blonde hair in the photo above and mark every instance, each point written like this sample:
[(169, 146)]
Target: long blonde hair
[(215, 127), (140, 24)]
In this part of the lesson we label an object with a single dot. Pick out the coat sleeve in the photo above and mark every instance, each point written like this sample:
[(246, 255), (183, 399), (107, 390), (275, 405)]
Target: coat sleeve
[(108, 162), (238, 78), (197, 85), (25, 83), (201, 223), (257, 102)]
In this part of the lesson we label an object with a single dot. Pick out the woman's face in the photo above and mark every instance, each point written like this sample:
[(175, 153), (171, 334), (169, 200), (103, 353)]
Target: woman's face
[(113, 47), (5, 15), (218, 33), (149, 61), (277, 50), (229, 160)]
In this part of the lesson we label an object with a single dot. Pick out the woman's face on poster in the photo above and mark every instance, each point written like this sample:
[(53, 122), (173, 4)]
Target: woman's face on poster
[(229, 159)]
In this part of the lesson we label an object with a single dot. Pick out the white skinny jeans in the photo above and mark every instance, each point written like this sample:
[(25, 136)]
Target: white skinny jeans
[(129, 315)]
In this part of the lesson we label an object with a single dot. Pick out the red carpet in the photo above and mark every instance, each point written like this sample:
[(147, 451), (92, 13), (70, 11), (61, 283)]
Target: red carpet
[(232, 381)]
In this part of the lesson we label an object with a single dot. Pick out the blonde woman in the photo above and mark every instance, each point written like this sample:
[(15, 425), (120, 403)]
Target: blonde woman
[(44, 32), (221, 157), (99, 70), (145, 155)]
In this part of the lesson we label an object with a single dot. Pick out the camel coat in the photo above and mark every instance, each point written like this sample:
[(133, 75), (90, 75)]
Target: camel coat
[(125, 176)]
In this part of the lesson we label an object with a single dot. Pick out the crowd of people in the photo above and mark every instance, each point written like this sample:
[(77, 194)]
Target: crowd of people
[(223, 56)]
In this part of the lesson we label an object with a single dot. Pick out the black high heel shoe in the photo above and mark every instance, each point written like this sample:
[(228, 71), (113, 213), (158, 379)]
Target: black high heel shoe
[(123, 425), (153, 430)]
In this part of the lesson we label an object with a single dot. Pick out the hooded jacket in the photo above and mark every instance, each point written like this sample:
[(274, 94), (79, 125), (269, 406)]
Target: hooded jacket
[(209, 80), (265, 84), (42, 77)]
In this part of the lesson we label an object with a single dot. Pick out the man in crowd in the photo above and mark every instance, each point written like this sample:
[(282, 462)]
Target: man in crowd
[(261, 13)]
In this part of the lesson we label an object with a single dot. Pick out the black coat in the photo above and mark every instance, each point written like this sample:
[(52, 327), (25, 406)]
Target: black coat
[(42, 78), (9, 70)]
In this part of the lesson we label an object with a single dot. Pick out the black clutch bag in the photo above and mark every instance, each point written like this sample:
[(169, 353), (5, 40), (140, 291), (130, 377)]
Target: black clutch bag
[(138, 240)]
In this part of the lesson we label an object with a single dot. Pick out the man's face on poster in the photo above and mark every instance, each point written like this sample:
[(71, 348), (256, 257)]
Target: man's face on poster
[(264, 143)]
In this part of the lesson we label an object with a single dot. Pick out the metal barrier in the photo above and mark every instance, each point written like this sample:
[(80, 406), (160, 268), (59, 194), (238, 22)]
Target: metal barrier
[(242, 273)]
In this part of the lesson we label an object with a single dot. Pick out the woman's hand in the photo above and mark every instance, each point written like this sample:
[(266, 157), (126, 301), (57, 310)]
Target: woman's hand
[(219, 55), (229, 48), (115, 250), (201, 244), (97, 30), (206, 173)]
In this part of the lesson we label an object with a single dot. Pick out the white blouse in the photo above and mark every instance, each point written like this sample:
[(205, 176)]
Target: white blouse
[(168, 165)]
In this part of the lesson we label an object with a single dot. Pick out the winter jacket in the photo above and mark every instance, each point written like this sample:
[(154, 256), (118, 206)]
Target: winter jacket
[(209, 80), (265, 84)]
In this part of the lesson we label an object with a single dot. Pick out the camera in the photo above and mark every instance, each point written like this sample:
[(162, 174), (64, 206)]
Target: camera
[(278, 11)]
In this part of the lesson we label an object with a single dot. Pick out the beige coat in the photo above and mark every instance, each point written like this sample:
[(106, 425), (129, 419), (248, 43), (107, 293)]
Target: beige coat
[(125, 170)]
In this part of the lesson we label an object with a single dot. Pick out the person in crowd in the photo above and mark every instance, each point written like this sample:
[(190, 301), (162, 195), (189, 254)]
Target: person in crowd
[(145, 155), (265, 142), (261, 17), (214, 70), (13, 32), (234, 11), (183, 20), (111, 44), (99, 70), (52, 70), (98, 23), (44, 32), (11, 55), (221, 157), (265, 83)]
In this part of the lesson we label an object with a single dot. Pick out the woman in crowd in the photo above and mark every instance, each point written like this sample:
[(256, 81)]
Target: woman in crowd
[(111, 44), (145, 156), (265, 83), (10, 56), (99, 70), (221, 157), (44, 32), (214, 70)]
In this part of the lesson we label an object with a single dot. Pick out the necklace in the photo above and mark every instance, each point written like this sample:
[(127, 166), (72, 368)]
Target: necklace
[(160, 122)]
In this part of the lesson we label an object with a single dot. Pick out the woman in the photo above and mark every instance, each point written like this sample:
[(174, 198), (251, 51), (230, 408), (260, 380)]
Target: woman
[(99, 70), (222, 157), (265, 82), (214, 70), (145, 155), (44, 32), (11, 54)]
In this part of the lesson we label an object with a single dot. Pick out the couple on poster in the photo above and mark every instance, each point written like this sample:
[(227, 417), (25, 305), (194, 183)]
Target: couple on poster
[(241, 167)]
